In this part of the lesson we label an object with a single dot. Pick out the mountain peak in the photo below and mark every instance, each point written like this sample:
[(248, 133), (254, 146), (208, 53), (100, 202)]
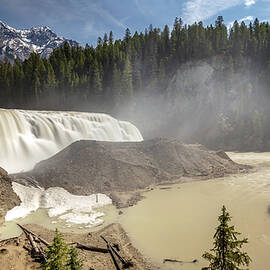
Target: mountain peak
[(41, 28), (16, 43), (4, 25)]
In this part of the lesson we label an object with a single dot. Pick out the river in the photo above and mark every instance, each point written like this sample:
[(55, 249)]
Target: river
[(179, 223)]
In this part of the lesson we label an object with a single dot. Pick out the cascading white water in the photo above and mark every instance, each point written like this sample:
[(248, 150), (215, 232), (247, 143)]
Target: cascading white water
[(27, 137)]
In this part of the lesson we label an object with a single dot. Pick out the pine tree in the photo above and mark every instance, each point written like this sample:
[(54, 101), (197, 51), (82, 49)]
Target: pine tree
[(57, 254), (74, 262), (97, 82), (127, 35), (111, 38), (116, 84), (126, 80), (226, 253)]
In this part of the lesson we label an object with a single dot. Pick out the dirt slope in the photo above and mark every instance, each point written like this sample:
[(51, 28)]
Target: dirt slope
[(87, 167)]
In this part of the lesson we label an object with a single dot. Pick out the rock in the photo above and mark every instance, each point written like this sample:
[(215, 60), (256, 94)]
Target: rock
[(222, 154), (8, 198), (3, 173)]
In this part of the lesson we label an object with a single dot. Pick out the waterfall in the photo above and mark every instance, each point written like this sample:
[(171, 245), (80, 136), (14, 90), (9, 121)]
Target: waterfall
[(27, 137)]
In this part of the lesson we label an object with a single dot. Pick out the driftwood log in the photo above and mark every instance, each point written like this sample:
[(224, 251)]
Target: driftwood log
[(177, 261), (27, 248), (113, 258), (125, 264), (37, 250), (33, 243), (91, 248), (38, 237), (5, 241), (34, 239)]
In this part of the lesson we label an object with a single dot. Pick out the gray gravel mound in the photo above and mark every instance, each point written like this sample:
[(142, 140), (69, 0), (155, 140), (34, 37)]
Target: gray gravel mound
[(87, 167)]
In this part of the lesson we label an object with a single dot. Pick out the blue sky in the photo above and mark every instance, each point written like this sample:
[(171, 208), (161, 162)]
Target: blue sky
[(85, 20)]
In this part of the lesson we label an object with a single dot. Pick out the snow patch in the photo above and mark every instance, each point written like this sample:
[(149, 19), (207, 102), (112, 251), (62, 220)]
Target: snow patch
[(60, 203)]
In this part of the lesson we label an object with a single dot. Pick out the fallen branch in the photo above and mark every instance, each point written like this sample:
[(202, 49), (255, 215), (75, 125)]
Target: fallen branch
[(113, 258), (38, 237), (126, 264), (34, 245), (27, 248), (5, 241), (37, 251), (92, 248), (177, 261)]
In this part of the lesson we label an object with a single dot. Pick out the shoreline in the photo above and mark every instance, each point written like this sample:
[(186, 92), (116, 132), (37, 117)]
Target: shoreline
[(114, 233), (122, 200)]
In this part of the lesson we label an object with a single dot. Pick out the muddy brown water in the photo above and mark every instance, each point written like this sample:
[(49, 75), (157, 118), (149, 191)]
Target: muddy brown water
[(179, 223)]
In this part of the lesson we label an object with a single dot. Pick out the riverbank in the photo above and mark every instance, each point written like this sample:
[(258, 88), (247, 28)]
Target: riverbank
[(14, 256)]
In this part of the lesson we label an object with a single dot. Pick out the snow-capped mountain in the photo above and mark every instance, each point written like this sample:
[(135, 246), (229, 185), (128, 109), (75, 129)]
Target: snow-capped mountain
[(20, 43)]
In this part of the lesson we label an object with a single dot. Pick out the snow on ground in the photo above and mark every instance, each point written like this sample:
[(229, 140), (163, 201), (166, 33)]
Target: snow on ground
[(60, 203)]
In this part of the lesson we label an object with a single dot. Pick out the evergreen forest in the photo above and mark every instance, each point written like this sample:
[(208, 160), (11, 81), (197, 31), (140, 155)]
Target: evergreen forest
[(205, 84)]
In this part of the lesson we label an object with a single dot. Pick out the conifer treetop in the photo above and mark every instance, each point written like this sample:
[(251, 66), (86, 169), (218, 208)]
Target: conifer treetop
[(226, 253)]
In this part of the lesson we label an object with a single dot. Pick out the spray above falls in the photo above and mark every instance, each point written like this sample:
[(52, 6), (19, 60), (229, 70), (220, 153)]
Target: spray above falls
[(27, 137)]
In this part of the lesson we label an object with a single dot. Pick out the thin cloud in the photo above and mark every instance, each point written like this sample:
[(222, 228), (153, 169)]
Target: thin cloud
[(141, 9), (105, 14), (249, 3), (248, 18), (90, 29), (198, 10), (75, 19), (245, 19)]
